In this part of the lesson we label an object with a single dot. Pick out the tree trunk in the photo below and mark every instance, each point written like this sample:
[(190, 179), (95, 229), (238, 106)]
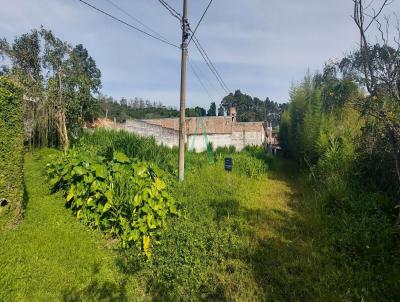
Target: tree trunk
[(62, 129), (60, 116)]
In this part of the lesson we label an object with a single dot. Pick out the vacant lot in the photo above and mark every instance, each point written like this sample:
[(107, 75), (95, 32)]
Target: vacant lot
[(238, 239)]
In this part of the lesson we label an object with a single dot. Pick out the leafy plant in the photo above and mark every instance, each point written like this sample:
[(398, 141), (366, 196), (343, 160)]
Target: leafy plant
[(122, 197)]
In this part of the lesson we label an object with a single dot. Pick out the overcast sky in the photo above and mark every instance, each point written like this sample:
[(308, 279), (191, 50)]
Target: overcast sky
[(259, 46)]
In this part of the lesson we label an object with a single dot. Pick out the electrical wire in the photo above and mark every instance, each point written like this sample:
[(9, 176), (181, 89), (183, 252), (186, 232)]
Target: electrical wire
[(210, 83), (172, 11), (137, 20), (210, 65), (201, 19), (200, 81), (127, 24)]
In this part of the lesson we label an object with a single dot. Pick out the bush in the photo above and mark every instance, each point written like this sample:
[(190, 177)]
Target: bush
[(11, 152), (122, 197)]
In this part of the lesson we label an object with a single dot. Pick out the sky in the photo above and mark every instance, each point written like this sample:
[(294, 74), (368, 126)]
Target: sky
[(261, 47)]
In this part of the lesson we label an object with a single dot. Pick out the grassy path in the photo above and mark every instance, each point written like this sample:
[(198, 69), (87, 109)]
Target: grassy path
[(50, 256), (241, 240)]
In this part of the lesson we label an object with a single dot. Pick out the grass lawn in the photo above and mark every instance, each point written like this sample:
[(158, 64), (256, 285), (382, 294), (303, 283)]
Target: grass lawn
[(51, 256)]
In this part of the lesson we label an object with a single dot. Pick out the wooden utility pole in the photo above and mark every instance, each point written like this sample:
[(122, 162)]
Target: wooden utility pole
[(182, 123)]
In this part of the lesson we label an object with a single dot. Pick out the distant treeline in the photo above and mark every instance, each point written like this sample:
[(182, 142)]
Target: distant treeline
[(248, 109), (136, 108), (251, 109)]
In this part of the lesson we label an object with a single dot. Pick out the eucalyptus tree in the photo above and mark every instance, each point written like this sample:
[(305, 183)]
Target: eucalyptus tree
[(82, 82), (58, 82), (55, 60)]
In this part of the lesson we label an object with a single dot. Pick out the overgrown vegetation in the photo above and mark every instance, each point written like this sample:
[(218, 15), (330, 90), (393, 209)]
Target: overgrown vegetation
[(361, 222), (134, 146), (348, 141), (260, 232), (11, 152), (119, 196)]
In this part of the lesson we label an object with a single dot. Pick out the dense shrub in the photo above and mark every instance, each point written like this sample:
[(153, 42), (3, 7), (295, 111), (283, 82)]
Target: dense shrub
[(123, 197), (359, 219), (11, 151)]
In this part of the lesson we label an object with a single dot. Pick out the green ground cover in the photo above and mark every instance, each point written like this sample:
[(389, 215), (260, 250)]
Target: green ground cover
[(239, 238), (51, 256)]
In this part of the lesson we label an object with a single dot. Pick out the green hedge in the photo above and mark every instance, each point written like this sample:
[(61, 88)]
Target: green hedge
[(11, 152)]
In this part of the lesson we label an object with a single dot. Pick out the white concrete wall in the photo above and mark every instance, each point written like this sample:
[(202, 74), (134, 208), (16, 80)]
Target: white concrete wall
[(164, 136), (170, 137), (244, 138), (197, 142)]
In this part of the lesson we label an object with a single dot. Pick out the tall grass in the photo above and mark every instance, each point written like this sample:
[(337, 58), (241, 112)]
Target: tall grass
[(146, 149), (251, 162)]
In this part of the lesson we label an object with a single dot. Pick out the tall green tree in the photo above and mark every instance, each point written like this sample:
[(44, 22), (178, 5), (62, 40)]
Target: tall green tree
[(58, 83), (213, 110), (83, 81), (55, 60), (253, 109)]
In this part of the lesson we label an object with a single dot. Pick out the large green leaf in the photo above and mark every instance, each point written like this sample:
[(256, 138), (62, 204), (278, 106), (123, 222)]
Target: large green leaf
[(159, 184), (91, 202), (54, 180), (109, 195), (79, 170), (101, 170), (150, 221), (120, 157), (141, 171), (70, 194), (107, 206), (147, 245), (135, 235)]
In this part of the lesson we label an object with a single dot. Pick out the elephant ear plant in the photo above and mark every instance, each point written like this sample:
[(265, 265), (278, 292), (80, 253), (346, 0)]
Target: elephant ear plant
[(122, 197)]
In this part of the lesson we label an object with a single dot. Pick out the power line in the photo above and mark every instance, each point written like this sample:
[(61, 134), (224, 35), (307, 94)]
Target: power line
[(172, 11), (201, 19), (210, 83), (210, 65), (200, 81), (137, 20), (127, 24)]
